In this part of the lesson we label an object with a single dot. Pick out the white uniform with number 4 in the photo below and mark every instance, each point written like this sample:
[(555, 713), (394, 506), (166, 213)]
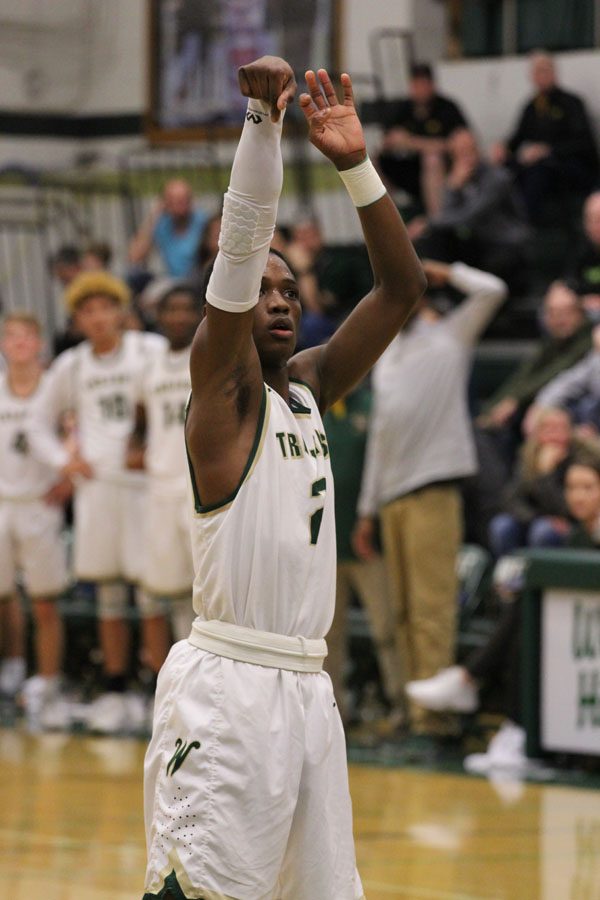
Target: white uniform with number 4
[(30, 529), (246, 785)]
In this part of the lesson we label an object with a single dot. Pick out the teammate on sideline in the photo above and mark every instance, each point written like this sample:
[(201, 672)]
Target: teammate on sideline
[(158, 445), (31, 521), (246, 785), (97, 380)]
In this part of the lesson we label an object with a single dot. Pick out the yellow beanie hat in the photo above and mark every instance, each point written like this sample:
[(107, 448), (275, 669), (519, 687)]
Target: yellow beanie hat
[(89, 284)]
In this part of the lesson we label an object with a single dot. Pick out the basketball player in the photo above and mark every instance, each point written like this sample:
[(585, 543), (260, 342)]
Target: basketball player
[(158, 444), (31, 522), (246, 781), (97, 380)]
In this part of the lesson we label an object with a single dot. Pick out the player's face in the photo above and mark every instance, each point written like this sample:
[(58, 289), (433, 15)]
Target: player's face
[(277, 315), (178, 319), (99, 319), (582, 491), (20, 343)]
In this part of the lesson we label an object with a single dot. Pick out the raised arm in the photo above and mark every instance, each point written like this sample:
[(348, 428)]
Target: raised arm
[(227, 383), (334, 128)]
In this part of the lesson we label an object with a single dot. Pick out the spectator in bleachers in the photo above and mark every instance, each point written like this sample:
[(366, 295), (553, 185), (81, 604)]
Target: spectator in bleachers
[(174, 226), (458, 688), (65, 265), (31, 546), (481, 219), (308, 255), (577, 389), (553, 146), (586, 267), (419, 448), (567, 337), (97, 381), (534, 509), (346, 426), (97, 255), (413, 153), (209, 245)]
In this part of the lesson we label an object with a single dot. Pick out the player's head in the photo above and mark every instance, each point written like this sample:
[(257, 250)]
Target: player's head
[(582, 488), (21, 339), (277, 314), (422, 84), (97, 302), (542, 70), (178, 199), (178, 313)]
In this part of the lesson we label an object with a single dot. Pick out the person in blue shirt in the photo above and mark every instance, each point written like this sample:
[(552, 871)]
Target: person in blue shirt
[(174, 227)]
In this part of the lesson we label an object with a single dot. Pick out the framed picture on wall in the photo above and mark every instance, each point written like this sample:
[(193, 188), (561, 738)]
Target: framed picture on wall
[(196, 47)]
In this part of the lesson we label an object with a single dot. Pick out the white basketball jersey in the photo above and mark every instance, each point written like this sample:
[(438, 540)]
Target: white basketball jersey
[(21, 476), (165, 391), (102, 390), (266, 557)]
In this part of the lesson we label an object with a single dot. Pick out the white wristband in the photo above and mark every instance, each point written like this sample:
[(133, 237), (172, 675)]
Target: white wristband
[(363, 183)]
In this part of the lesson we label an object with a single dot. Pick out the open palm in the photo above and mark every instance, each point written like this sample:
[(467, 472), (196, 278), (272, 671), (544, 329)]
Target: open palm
[(334, 127)]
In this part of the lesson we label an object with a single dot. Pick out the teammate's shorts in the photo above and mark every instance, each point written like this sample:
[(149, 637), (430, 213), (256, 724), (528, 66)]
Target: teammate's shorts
[(31, 543), (109, 530), (168, 568), (246, 784)]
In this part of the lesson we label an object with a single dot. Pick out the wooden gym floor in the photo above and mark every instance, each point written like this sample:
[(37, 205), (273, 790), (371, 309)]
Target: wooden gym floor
[(71, 829)]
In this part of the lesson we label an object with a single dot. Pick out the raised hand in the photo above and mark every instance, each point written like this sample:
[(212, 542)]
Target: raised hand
[(270, 79), (334, 127)]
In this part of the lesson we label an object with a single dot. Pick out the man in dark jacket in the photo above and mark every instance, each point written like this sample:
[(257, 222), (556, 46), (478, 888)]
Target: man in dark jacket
[(553, 146), (413, 154)]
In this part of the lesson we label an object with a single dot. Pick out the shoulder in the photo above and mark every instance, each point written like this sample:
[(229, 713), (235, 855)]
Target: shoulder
[(304, 369), (66, 360), (150, 342)]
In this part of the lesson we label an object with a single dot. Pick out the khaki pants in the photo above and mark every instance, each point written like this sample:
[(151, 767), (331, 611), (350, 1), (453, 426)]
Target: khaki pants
[(368, 580), (421, 534)]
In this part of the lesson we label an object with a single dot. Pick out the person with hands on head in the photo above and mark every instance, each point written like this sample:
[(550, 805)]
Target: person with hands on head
[(246, 786)]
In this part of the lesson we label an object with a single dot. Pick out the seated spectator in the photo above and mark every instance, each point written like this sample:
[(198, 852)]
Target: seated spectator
[(577, 390), (209, 245), (412, 156), (586, 268), (535, 512), (481, 219), (174, 226), (553, 147), (567, 337), (458, 688)]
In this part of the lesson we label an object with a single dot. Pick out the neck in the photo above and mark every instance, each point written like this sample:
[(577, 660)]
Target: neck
[(23, 378), (107, 344), (278, 379)]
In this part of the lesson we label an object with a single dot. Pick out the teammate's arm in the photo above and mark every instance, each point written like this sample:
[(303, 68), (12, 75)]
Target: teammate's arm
[(227, 382), (334, 128)]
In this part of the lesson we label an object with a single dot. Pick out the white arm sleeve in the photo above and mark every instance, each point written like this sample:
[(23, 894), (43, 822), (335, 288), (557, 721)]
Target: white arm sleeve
[(249, 212)]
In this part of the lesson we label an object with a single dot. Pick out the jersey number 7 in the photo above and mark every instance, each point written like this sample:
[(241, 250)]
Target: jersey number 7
[(318, 488)]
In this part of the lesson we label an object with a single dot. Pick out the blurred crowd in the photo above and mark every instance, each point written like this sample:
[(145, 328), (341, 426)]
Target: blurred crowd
[(92, 446)]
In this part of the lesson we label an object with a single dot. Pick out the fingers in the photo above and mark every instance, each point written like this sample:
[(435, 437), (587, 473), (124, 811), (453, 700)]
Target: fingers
[(347, 89), (315, 90), (327, 86)]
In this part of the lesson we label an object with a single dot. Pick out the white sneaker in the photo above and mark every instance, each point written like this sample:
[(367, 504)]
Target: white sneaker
[(12, 675), (108, 714), (506, 752), (449, 691), (45, 708)]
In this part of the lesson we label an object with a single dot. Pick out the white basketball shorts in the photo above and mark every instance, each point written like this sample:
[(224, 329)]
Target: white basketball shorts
[(246, 784), (109, 530), (168, 568), (31, 543)]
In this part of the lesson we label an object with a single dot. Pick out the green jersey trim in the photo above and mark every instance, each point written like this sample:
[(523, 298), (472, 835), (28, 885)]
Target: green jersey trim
[(307, 386), (202, 510)]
